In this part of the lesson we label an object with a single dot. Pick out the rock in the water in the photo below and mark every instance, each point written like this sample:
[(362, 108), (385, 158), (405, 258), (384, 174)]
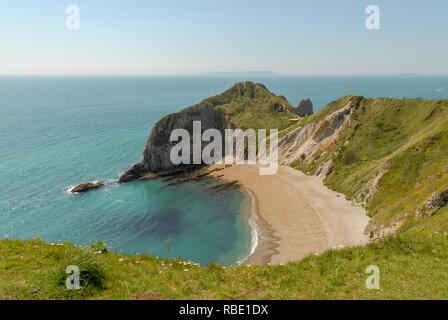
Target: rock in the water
[(305, 108), (226, 186), (84, 187)]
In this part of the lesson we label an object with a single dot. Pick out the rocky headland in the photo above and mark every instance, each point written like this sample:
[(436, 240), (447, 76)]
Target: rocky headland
[(354, 145), (244, 105)]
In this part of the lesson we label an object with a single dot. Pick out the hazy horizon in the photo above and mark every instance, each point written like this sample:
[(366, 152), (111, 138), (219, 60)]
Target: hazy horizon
[(289, 37), (230, 73)]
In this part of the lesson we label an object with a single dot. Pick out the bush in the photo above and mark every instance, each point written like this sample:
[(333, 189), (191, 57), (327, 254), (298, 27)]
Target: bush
[(99, 247), (350, 158), (91, 275)]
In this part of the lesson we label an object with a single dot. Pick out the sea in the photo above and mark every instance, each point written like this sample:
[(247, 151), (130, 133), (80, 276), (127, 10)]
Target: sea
[(59, 131)]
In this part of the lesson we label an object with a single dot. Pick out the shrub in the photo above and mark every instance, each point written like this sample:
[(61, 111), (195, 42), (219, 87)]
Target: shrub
[(350, 158), (91, 275), (99, 247)]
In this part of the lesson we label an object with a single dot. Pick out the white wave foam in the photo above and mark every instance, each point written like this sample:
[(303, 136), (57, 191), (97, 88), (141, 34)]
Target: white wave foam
[(254, 230), (68, 190)]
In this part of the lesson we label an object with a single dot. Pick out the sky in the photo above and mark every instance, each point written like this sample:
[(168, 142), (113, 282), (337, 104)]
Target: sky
[(144, 37)]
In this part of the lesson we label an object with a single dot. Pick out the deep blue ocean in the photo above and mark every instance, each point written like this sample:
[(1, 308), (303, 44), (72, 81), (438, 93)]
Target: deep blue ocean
[(56, 132)]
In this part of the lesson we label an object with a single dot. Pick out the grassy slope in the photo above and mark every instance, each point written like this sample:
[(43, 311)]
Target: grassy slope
[(410, 268), (408, 138)]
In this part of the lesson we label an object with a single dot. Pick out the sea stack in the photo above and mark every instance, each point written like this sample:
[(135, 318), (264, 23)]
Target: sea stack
[(305, 108)]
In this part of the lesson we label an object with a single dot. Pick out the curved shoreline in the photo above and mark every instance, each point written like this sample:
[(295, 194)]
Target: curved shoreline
[(262, 234), (252, 221), (297, 215)]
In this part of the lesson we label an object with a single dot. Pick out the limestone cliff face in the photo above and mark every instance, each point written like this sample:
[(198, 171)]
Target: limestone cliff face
[(156, 156), (307, 142), (244, 105)]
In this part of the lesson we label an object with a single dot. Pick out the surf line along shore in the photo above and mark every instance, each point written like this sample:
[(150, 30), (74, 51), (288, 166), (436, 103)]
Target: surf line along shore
[(297, 214)]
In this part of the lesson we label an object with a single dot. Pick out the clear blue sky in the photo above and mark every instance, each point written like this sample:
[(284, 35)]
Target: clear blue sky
[(183, 37)]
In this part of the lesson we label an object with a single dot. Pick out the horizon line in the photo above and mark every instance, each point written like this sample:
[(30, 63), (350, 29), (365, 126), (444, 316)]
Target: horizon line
[(226, 73)]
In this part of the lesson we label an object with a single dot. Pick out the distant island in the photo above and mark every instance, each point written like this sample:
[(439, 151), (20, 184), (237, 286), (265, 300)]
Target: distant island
[(240, 73)]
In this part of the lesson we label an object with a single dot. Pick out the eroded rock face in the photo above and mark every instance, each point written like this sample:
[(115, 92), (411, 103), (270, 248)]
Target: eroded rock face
[(307, 142), (156, 156), (305, 108), (325, 169), (84, 187), (236, 107), (437, 201)]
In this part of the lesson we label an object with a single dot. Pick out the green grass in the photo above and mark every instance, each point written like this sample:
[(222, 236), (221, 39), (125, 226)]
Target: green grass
[(407, 139), (410, 268)]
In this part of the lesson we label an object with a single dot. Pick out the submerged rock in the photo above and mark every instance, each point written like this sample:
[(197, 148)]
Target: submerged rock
[(84, 187), (226, 186), (305, 108)]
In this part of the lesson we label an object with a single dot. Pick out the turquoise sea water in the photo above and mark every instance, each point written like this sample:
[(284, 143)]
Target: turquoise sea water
[(56, 132)]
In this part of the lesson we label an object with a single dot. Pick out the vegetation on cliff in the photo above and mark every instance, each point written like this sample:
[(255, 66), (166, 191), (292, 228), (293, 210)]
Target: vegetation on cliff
[(392, 158), (251, 105), (245, 105)]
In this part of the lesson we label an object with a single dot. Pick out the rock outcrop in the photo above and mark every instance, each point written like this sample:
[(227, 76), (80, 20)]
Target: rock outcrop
[(156, 156), (438, 200), (305, 108), (84, 187), (244, 105), (307, 142)]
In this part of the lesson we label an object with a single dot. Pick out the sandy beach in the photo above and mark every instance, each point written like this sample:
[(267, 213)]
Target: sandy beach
[(297, 214)]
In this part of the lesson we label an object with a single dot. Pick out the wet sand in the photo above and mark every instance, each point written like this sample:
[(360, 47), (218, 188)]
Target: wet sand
[(297, 214)]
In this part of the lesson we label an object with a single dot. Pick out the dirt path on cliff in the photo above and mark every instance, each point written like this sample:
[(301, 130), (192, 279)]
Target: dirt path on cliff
[(298, 214)]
